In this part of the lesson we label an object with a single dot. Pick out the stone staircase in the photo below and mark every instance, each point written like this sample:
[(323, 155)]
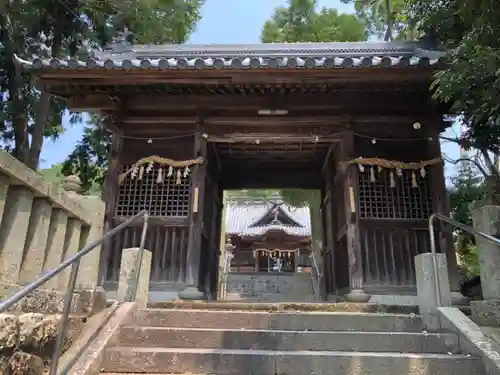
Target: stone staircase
[(195, 341)]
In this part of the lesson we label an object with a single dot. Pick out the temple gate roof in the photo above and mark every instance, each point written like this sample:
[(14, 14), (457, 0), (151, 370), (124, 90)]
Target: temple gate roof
[(122, 55)]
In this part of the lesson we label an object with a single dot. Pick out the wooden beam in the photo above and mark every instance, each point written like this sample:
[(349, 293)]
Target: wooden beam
[(266, 120), (298, 101)]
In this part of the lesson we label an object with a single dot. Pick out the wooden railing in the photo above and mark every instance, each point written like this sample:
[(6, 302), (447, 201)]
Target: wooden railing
[(166, 239), (388, 251)]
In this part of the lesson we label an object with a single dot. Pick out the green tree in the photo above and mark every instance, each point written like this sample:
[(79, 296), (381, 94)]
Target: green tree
[(299, 21), (470, 81), (152, 22), (54, 28), (385, 19), (467, 188)]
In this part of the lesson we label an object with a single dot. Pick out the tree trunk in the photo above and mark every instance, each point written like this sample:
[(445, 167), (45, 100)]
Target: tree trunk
[(388, 34), (18, 115), (42, 114), (41, 117)]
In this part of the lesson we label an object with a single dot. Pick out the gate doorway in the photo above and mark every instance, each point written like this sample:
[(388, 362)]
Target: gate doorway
[(260, 162)]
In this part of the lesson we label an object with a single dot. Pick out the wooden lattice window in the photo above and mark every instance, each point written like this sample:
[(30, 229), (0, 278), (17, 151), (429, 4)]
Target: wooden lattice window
[(167, 198), (378, 200)]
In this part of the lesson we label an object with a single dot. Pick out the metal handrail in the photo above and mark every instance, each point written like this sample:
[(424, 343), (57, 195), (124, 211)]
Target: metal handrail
[(317, 276), (432, 236), (74, 262)]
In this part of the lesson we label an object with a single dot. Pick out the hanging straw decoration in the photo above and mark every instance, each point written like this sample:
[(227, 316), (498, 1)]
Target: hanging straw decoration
[(372, 174), (159, 178), (394, 167), (392, 181), (177, 170), (414, 182), (178, 179)]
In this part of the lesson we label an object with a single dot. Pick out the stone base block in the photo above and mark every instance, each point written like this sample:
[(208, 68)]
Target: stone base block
[(486, 313), (52, 302), (358, 296), (91, 302), (458, 299), (191, 293)]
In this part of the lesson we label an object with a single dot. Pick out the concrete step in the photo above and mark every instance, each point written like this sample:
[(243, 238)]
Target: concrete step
[(263, 362), (286, 306), (287, 340), (296, 321)]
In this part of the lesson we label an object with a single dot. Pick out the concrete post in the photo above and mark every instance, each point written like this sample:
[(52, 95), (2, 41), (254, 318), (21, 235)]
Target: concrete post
[(55, 244), (487, 312), (127, 279), (426, 287), (13, 232), (36, 241), (71, 247), (4, 187), (487, 219), (89, 265)]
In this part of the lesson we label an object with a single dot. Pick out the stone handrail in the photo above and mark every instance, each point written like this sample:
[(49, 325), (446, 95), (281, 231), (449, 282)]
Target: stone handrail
[(41, 225)]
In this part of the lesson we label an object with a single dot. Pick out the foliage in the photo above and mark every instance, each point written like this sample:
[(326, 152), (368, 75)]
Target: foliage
[(152, 22), (53, 174), (470, 81), (300, 22), (89, 159), (467, 188), (53, 28), (385, 19)]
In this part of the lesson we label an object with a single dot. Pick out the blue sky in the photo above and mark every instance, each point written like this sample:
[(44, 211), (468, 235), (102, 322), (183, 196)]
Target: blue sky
[(223, 21)]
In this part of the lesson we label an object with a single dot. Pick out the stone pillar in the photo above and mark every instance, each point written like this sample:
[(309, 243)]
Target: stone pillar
[(71, 247), (426, 287), (36, 241), (127, 280), (89, 265), (487, 219), (487, 312), (13, 232), (55, 244), (4, 187)]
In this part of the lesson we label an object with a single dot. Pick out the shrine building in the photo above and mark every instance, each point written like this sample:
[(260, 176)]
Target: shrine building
[(271, 250), (354, 120)]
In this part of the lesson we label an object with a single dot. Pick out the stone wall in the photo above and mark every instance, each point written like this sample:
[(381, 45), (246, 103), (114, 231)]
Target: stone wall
[(42, 224), (270, 286), (27, 341)]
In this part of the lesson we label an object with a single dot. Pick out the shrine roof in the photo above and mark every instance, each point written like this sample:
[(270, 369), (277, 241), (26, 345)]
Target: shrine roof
[(247, 56), (245, 219)]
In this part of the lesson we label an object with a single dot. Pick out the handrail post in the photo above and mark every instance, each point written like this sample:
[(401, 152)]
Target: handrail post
[(432, 238), (63, 325), (139, 258)]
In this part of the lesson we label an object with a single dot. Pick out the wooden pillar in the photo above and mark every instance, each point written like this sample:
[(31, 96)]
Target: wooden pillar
[(329, 235), (197, 199), (110, 196), (351, 196), (441, 204)]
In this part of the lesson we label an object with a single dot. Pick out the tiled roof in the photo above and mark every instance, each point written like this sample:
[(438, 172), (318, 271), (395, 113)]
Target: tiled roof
[(249, 56), (240, 217)]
